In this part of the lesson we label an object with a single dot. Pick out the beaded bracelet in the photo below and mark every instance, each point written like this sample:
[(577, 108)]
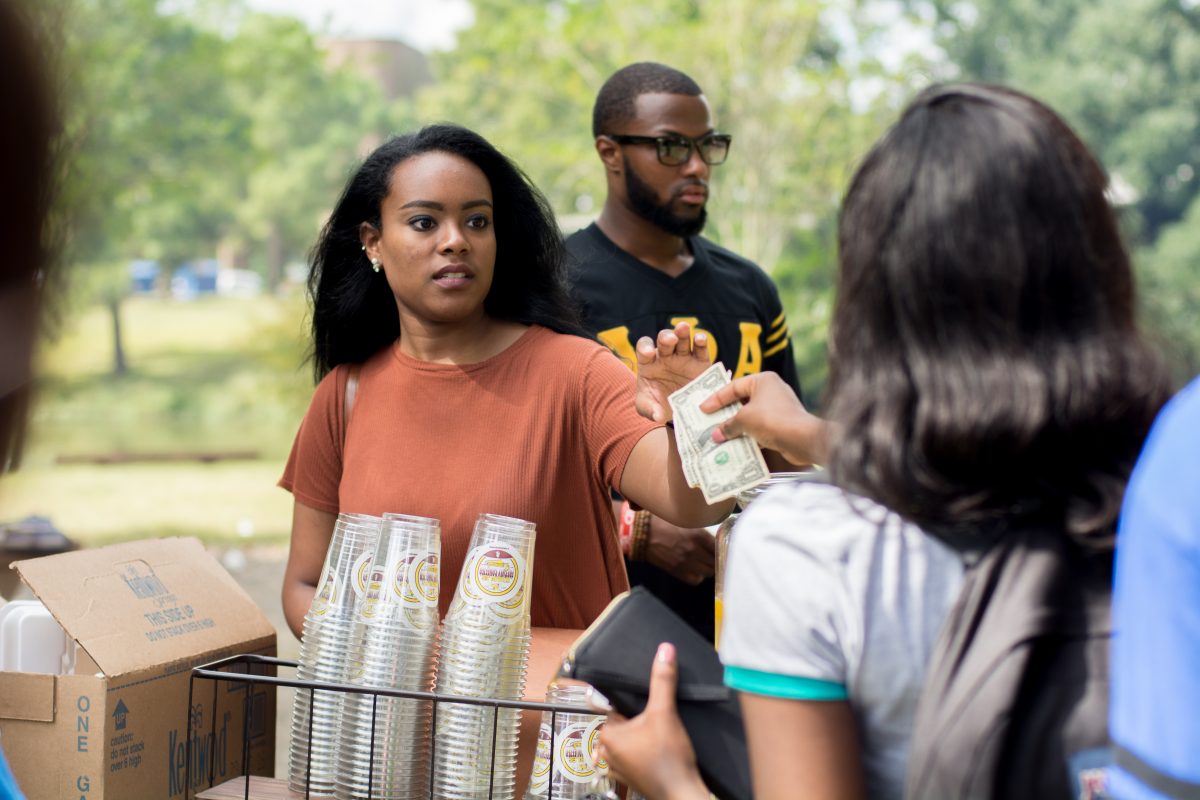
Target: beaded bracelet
[(640, 536)]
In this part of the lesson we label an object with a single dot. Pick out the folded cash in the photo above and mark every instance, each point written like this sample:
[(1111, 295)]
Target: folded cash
[(720, 470)]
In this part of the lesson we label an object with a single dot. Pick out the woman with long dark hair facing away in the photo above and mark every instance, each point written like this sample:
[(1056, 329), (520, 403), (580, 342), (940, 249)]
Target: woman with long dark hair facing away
[(986, 374), (439, 274), (29, 279)]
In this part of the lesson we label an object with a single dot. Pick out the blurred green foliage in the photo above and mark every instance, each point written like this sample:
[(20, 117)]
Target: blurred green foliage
[(184, 136), (217, 375), (187, 133), (1126, 75)]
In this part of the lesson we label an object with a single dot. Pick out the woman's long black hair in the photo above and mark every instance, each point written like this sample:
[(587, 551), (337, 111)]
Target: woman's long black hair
[(353, 312), (986, 367)]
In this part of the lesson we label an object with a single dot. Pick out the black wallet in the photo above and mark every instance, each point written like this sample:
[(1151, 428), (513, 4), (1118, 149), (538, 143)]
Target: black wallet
[(615, 655)]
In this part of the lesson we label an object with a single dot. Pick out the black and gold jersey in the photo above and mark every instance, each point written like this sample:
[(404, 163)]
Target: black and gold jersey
[(729, 297)]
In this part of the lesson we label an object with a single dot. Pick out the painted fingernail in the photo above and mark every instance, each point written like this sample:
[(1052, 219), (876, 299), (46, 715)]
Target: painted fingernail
[(597, 701), (666, 653)]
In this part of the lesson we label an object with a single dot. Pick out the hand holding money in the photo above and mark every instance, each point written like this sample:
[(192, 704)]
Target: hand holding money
[(773, 414), (719, 469), (665, 366)]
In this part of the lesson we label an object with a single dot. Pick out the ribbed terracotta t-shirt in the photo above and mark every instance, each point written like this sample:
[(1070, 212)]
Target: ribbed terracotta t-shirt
[(540, 431)]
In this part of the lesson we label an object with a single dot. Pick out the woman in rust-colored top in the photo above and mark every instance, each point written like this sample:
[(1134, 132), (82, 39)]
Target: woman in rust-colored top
[(439, 272)]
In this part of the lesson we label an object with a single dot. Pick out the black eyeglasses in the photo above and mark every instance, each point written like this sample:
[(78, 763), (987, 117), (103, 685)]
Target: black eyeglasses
[(675, 150)]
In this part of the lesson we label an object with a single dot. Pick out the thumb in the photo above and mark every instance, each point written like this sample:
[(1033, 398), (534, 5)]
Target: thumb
[(738, 390), (729, 429), (664, 676)]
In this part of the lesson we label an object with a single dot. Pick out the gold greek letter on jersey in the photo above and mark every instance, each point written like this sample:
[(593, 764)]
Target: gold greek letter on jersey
[(617, 340), (750, 357)]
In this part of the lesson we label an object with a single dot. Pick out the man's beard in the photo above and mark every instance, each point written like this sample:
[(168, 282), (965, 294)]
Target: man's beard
[(646, 204)]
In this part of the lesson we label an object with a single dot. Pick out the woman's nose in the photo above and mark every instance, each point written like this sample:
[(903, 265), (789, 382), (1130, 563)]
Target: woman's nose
[(455, 240)]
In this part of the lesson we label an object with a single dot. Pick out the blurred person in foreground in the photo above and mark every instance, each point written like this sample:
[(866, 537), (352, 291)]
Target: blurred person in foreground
[(986, 374), (440, 273), (1155, 711), (643, 266), (26, 137)]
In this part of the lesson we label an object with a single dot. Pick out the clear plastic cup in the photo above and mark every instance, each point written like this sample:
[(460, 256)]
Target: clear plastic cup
[(565, 762), (384, 739), (324, 647), (484, 652)]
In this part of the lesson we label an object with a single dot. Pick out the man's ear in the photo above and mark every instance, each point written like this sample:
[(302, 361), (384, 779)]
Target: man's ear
[(369, 235), (610, 154)]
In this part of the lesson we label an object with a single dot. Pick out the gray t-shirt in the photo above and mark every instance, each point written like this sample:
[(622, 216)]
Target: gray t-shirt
[(831, 596)]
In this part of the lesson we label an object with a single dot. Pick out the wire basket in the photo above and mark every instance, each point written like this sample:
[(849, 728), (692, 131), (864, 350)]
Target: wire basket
[(252, 671)]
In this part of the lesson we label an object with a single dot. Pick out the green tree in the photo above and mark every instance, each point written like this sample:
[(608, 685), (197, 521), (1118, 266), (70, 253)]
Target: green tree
[(1171, 288), (196, 127), (1126, 75), (147, 117), (307, 125)]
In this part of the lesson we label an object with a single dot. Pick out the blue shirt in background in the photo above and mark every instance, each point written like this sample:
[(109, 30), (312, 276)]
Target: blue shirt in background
[(8, 784), (1155, 712)]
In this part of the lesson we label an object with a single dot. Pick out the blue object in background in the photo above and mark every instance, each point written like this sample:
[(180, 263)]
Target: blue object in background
[(8, 785), (194, 278), (143, 275), (1154, 717)]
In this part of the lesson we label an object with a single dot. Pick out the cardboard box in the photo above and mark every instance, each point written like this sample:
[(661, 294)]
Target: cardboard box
[(141, 615)]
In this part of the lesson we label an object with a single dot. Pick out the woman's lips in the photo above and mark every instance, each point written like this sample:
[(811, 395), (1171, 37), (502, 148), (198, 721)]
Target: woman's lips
[(453, 277)]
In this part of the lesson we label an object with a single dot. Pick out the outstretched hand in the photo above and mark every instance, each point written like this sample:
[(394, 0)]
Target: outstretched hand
[(651, 753), (774, 416), (666, 365)]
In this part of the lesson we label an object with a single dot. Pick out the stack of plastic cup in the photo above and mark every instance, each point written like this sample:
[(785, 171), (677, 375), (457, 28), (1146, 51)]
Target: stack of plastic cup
[(484, 650), (385, 740), (564, 766), (324, 650)]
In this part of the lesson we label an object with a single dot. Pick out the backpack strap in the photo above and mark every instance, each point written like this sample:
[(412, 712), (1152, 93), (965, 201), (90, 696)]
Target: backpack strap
[(348, 400), (993, 698), (1161, 782)]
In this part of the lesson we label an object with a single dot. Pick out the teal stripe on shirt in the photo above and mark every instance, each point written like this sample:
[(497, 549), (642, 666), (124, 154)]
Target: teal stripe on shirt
[(789, 687)]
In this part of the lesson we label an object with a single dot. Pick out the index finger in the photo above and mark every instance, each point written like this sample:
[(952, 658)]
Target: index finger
[(726, 395), (646, 350)]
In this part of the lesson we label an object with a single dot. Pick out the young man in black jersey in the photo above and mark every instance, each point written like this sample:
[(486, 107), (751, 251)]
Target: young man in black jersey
[(642, 266)]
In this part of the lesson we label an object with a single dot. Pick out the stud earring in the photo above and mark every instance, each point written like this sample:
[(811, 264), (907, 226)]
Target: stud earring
[(376, 264)]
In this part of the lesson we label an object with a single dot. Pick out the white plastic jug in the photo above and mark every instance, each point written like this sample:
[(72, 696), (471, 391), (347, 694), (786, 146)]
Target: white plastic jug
[(32, 641)]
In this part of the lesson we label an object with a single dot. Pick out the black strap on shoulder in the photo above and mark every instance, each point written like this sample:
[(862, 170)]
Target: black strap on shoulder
[(1156, 779)]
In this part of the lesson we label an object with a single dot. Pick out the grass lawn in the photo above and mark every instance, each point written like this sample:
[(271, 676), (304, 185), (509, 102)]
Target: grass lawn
[(216, 374), (223, 502)]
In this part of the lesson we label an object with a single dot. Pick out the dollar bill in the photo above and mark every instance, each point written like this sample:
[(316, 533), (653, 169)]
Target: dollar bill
[(691, 429), (720, 470)]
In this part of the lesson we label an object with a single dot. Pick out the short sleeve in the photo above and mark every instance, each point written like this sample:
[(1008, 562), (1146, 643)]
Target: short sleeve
[(313, 472), (788, 621), (611, 423), (778, 354)]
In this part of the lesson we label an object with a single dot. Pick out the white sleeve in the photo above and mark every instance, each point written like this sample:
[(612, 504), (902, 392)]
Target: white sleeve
[(788, 611)]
